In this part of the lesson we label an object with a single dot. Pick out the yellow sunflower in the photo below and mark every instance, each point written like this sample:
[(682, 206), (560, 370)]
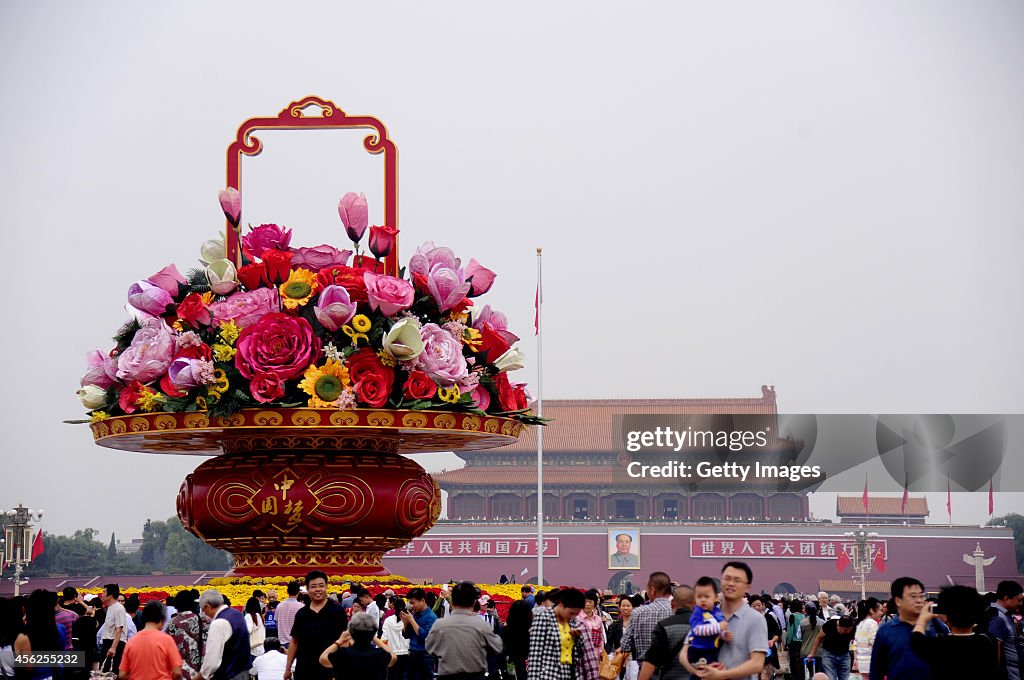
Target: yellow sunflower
[(449, 395), (324, 384), (298, 289)]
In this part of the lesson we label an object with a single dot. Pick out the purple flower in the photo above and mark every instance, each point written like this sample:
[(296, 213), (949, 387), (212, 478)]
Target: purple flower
[(317, 258), (427, 256), (448, 287), (149, 297), (246, 308), (186, 373), (149, 355), (334, 309), (266, 237), (231, 204), (354, 215), (441, 358), (496, 319), (97, 373)]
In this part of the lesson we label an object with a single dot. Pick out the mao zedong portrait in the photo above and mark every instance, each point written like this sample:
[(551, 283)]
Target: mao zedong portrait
[(626, 555)]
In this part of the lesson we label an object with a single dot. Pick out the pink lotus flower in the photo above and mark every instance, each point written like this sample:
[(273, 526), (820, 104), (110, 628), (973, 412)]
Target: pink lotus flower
[(382, 240), (480, 277), (496, 319), (354, 215), (319, 257), (168, 278), (267, 237), (441, 358), (149, 355), (149, 297), (246, 308), (387, 293), (335, 308), (97, 373), (186, 373), (447, 286), (231, 204), (427, 256)]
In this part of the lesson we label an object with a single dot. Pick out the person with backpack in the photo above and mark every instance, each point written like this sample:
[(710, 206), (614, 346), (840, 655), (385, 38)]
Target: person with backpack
[(667, 639), (794, 639)]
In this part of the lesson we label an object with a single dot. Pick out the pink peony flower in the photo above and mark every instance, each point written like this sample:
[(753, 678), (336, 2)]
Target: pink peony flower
[(481, 278), (317, 258), (441, 358), (447, 287), (334, 308), (387, 293), (149, 355), (267, 237), (354, 215), (231, 204), (188, 339), (149, 297), (97, 373), (245, 309), (427, 256), (168, 278), (277, 343)]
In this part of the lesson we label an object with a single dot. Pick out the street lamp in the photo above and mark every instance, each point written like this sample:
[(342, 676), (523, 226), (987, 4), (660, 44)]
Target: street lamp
[(18, 538), (861, 557)]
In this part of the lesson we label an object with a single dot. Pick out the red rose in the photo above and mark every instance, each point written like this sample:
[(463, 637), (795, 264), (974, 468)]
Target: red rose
[(374, 389), (193, 311), (419, 282), (277, 343), (348, 278), (419, 385), (278, 264), (511, 397), (129, 397), (251, 275), (492, 343), (201, 351), (371, 380), (368, 264), (266, 386), (382, 240)]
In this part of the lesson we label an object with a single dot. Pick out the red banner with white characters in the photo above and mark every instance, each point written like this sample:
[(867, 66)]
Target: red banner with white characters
[(769, 548), (475, 547)]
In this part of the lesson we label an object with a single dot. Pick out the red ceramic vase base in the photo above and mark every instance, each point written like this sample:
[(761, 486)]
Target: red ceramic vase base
[(286, 512)]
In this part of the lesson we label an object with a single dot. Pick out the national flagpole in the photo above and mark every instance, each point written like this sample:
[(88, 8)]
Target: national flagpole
[(538, 301)]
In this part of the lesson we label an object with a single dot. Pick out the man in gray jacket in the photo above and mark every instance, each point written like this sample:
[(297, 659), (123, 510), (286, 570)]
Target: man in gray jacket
[(462, 640)]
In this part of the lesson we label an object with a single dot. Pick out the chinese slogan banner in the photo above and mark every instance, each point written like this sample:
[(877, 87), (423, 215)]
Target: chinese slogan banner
[(789, 548), (475, 547)]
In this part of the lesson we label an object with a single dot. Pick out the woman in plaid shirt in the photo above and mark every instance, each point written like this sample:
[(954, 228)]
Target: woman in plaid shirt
[(559, 650)]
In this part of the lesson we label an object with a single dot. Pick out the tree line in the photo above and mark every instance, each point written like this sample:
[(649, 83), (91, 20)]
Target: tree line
[(166, 547)]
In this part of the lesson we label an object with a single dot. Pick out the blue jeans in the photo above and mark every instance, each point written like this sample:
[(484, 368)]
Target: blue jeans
[(835, 666)]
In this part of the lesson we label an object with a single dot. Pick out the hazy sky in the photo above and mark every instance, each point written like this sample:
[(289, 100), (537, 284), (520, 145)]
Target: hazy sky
[(820, 196)]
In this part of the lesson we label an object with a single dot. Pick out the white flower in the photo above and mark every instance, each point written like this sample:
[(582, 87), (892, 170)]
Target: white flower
[(512, 360), (403, 341), (333, 353), (223, 277), (212, 250), (93, 397)]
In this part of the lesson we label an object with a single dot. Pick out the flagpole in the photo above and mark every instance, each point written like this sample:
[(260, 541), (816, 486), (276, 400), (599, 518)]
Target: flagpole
[(540, 432)]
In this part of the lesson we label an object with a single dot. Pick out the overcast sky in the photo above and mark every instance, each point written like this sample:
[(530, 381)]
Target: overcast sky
[(821, 196)]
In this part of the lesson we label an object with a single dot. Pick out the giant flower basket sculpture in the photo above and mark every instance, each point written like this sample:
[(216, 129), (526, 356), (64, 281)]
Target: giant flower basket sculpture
[(306, 372)]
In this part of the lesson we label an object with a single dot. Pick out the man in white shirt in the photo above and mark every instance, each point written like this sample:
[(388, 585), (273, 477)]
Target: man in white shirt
[(227, 643), (369, 606), (271, 664), (285, 614), (115, 625)]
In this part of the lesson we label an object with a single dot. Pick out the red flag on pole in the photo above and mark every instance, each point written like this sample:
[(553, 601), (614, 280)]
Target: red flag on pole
[(864, 499), (906, 495), (536, 310), (37, 545), (991, 499), (880, 562), (843, 561), (949, 500)]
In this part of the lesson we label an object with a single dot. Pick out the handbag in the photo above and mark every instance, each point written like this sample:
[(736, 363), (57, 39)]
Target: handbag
[(784, 666), (611, 666), (106, 673)]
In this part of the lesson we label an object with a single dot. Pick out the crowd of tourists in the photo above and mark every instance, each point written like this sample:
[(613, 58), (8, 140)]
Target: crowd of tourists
[(710, 628)]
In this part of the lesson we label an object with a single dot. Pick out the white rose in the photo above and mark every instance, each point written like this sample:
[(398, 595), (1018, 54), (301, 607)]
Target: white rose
[(403, 341), (512, 360), (223, 276), (93, 397)]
